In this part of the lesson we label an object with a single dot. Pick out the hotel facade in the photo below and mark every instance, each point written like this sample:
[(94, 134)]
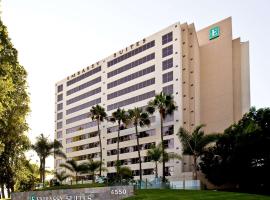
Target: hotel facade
[(206, 71)]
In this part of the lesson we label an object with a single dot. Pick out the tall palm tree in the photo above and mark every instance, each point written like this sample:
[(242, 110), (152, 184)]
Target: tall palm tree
[(155, 154), (92, 167), (165, 105), (194, 144), (45, 148), (140, 118), (74, 167), (61, 176), (98, 113), (120, 116)]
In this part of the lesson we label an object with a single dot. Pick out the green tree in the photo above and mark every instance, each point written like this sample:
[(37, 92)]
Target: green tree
[(241, 155), (165, 105), (98, 114), (45, 148), (195, 143), (92, 167), (120, 116), (61, 176), (74, 167), (155, 154), (14, 107), (138, 118)]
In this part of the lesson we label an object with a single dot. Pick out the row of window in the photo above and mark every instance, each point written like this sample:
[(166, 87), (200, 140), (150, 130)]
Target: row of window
[(83, 96), (131, 88), (132, 136), (123, 127), (83, 106), (87, 156), (131, 77), (167, 64), (131, 53), (81, 127), (167, 77), (167, 38), (131, 149), (168, 144), (81, 137), (129, 161), (85, 75), (167, 51), (78, 118), (131, 100), (82, 147), (131, 65), (83, 86), (59, 125), (168, 90)]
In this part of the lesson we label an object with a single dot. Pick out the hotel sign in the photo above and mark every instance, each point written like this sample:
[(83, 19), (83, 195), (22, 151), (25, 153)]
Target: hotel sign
[(214, 33)]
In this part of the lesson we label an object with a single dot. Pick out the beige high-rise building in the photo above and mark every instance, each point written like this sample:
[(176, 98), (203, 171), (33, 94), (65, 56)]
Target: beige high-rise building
[(206, 71)]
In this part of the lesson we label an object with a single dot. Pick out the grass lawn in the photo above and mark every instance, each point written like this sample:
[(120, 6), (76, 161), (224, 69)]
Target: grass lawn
[(87, 185), (157, 194)]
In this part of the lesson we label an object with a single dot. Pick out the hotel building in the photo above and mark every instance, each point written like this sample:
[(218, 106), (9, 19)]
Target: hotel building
[(206, 71)]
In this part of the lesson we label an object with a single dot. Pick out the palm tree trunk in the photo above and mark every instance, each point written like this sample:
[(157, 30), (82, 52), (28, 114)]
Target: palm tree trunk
[(100, 147), (43, 174), (195, 175), (3, 191), (162, 147), (156, 170), (118, 149), (8, 192), (139, 154), (40, 170), (76, 178)]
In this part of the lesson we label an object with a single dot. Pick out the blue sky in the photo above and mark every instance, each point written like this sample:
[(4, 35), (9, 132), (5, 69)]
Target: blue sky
[(55, 38)]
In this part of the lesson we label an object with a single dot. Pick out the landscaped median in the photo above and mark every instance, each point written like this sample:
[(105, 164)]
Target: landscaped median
[(170, 194)]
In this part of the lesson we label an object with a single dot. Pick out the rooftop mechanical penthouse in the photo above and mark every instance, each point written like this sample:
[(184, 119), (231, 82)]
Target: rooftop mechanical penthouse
[(206, 71)]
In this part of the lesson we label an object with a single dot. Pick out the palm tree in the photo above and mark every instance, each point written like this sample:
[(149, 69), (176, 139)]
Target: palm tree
[(140, 118), (155, 154), (165, 105), (92, 167), (119, 116), (98, 113), (45, 148), (61, 176), (74, 167), (194, 144)]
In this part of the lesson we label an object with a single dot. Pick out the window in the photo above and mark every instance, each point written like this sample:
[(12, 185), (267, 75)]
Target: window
[(167, 51), (60, 88), (167, 77), (168, 90), (81, 127), (131, 88), (167, 64), (59, 116), (131, 100), (83, 96), (167, 38), (59, 125), (168, 130), (78, 118), (131, 53), (83, 86), (59, 97), (83, 106), (131, 77), (60, 106), (131, 65), (59, 134), (85, 75)]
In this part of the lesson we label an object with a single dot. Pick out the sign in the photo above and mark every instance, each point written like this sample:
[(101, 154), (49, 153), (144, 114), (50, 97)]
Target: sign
[(214, 33), (100, 193)]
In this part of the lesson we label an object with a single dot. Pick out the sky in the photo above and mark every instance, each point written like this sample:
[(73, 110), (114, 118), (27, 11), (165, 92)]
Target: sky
[(56, 38)]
